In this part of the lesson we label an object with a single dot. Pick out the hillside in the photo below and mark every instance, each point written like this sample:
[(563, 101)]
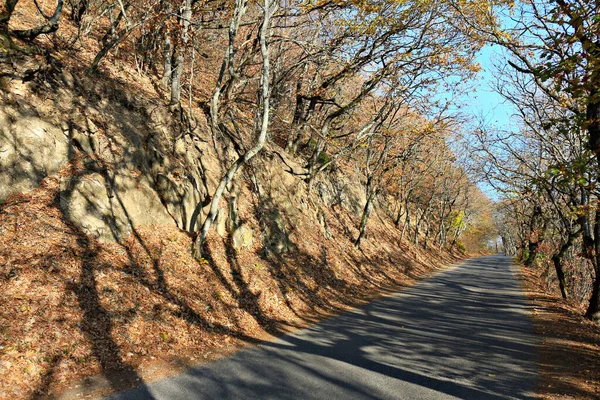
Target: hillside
[(105, 184), (79, 301)]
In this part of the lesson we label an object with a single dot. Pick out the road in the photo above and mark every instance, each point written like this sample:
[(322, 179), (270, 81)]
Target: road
[(463, 333)]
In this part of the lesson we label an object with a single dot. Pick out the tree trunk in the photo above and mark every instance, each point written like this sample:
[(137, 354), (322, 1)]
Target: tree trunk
[(111, 38), (532, 248), (264, 97), (593, 310), (106, 48), (362, 229), (417, 227), (176, 76), (427, 232), (399, 215), (167, 66), (78, 12), (312, 164), (457, 233), (299, 138), (556, 259), (6, 11), (179, 55), (443, 236), (593, 119), (112, 30), (298, 116), (51, 24), (406, 223)]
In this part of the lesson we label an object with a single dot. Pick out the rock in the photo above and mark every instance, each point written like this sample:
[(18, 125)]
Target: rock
[(326, 193), (30, 150), (183, 200), (86, 140), (111, 211), (67, 78), (275, 234), (233, 219), (336, 189), (322, 219), (180, 147), (242, 237), (220, 223), (91, 126)]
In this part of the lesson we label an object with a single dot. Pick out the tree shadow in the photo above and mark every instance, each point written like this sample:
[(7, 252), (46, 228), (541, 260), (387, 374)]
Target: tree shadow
[(98, 326), (462, 334), (160, 286), (123, 118), (47, 377), (96, 321), (246, 298)]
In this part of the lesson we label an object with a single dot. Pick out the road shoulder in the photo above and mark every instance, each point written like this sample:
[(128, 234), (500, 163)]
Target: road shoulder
[(569, 353)]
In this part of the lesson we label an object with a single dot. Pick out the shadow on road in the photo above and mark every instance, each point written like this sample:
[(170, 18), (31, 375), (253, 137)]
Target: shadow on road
[(464, 333)]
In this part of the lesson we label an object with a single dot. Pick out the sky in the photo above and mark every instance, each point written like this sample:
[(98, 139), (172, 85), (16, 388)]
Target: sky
[(485, 102)]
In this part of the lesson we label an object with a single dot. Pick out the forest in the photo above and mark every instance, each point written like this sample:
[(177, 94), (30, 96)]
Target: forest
[(286, 133), (312, 80)]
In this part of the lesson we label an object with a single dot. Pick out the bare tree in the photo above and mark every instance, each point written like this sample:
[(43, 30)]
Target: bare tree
[(269, 7)]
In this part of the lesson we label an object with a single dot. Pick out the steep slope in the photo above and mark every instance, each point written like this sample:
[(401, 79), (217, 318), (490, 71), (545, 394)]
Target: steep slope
[(99, 207)]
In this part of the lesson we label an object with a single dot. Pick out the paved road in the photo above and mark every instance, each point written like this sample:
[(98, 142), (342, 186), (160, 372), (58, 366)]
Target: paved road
[(463, 333)]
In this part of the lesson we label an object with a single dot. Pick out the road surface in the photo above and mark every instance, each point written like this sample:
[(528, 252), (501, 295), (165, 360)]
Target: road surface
[(464, 333)]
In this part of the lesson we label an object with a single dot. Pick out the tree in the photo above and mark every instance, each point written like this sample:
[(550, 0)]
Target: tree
[(543, 167), (6, 10), (269, 7)]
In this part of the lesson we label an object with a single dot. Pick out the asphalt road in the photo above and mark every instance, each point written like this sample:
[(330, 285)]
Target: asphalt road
[(464, 333)]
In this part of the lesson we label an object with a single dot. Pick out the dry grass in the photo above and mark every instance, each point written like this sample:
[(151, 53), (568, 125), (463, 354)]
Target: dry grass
[(73, 307)]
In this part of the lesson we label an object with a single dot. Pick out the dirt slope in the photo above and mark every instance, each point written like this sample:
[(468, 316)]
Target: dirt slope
[(75, 304), (74, 307)]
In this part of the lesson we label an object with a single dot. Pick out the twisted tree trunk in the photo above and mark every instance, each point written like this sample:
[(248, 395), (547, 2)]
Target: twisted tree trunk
[(50, 26), (264, 97), (179, 55)]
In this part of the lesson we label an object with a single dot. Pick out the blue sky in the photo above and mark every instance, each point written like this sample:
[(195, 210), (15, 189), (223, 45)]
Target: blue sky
[(485, 102)]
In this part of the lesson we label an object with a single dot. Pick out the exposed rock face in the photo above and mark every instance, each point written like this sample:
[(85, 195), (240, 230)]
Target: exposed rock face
[(182, 199), (338, 190), (152, 186), (107, 205), (110, 209), (221, 223), (242, 237), (30, 150), (136, 172), (282, 205), (182, 177)]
